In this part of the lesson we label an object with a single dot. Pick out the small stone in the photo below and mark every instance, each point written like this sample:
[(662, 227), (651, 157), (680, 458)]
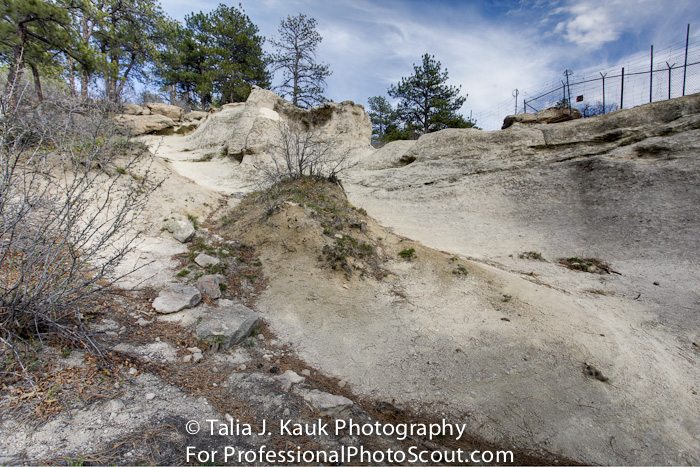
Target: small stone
[(133, 371), (267, 357), (187, 358), (292, 377), (176, 297), (205, 260), (142, 322), (182, 231), (209, 285), (342, 383), (112, 334), (241, 367), (197, 357), (306, 372), (194, 349), (329, 404), (338, 236), (150, 396)]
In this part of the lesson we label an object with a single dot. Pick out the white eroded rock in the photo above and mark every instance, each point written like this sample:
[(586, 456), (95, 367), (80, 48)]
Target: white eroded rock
[(183, 231), (177, 297), (226, 325)]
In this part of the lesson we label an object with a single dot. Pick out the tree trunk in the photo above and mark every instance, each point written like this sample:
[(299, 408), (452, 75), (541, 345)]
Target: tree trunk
[(84, 82), (37, 82), (71, 76), (17, 65)]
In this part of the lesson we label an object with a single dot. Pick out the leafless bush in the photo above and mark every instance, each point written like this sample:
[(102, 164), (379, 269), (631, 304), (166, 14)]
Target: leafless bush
[(70, 189), (300, 151)]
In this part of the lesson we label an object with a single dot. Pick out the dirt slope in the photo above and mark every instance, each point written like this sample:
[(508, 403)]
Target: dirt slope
[(500, 350)]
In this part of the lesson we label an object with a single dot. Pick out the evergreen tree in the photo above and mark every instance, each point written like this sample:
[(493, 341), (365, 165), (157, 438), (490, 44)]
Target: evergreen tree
[(382, 115), (426, 102), (127, 38), (302, 78), (214, 57), (35, 33)]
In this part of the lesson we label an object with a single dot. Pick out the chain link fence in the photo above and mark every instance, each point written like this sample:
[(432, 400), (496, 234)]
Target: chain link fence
[(650, 76)]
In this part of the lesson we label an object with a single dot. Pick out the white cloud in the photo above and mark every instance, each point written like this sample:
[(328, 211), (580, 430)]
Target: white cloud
[(589, 26)]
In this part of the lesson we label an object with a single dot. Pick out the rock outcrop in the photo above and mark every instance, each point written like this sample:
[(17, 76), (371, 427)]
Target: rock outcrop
[(550, 115), (157, 118), (250, 128)]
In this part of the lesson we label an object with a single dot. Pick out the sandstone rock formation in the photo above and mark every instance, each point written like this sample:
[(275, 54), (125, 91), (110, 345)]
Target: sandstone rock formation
[(250, 128), (140, 124), (550, 115), (170, 111), (157, 118)]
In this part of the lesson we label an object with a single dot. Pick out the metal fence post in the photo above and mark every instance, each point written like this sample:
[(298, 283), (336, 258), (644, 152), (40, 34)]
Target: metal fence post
[(651, 73), (670, 67), (685, 64), (603, 75), (622, 89)]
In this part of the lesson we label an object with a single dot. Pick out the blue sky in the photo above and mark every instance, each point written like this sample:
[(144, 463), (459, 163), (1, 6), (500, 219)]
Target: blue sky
[(489, 48)]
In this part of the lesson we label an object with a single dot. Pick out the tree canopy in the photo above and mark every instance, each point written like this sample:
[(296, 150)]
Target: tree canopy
[(302, 78), (426, 102), (214, 57)]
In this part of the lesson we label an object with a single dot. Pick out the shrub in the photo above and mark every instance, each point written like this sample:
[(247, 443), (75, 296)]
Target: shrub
[(67, 206), (301, 151), (408, 254)]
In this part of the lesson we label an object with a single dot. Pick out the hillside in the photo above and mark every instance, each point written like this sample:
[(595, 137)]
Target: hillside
[(537, 284)]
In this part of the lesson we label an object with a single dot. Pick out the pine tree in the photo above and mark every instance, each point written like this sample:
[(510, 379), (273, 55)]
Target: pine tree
[(381, 114), (214, 57), (302, 78), (426, 102)]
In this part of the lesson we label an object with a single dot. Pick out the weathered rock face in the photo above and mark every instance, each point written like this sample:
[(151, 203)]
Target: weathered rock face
[(551, 115), (170, 111), (250, 128), (623, 188), (157, 118), (144, 123), (134, 109)]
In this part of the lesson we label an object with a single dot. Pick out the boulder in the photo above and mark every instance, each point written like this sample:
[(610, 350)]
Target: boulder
[(134, 109), (195, 115), (183, 231), (209, 286), (550, 115), (143, 124), (171, 111), (227, 324), (176, 297)]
